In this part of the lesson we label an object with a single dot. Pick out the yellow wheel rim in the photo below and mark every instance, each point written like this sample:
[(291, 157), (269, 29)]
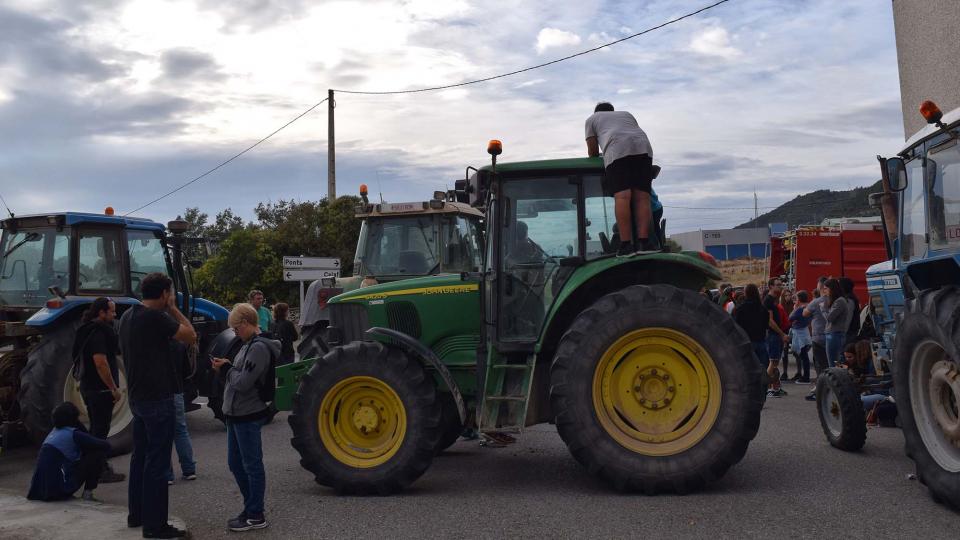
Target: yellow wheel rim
[(362, 422), (656, 391)]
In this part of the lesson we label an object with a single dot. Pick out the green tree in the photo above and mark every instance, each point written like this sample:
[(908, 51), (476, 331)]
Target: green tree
[(245, 260)]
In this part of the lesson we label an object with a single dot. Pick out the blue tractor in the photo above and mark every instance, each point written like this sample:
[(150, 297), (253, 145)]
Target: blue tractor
[(915, 297), (52, 266)]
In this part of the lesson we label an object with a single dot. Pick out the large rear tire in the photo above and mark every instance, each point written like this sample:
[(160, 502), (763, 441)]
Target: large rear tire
[(450, 425), (46, 382), (366, 419), (927, 383), (840, 410), (655, 389)]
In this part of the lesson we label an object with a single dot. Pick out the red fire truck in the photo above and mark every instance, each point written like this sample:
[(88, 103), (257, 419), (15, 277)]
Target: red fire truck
[(809, 252)]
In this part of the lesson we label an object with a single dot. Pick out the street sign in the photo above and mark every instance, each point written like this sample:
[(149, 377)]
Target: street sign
[(308, 274), (326, 263)]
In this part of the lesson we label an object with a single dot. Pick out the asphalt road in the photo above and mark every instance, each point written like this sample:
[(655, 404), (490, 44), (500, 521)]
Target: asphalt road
[(791, 484)]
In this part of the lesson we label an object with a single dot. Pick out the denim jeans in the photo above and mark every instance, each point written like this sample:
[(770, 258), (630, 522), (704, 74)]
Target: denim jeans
[(147, 494), (181, 440), (835, 342), (245, 458)]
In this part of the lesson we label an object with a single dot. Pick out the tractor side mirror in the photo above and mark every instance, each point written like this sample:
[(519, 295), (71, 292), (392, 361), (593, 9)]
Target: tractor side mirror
[(894, 172)]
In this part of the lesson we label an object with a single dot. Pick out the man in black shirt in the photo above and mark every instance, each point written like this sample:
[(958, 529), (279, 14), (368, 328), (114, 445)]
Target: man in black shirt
[(776, 337), (96, 344), (145, 335)]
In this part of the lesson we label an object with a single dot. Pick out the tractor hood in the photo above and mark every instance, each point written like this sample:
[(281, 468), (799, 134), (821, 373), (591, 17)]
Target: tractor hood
[(438, 284)]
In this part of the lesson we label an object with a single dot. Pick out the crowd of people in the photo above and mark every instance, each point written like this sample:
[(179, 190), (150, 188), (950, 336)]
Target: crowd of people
[(823, 328), (159, 348)]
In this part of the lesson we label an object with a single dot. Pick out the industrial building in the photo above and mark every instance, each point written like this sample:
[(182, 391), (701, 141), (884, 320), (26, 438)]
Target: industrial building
[(727, 244)]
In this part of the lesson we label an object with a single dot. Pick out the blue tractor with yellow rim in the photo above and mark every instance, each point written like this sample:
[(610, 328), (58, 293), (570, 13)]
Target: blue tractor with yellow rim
[(651, 385), (52, 266)]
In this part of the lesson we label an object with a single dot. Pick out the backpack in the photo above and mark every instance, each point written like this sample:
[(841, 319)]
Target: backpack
[(266, 390), (854, 327)]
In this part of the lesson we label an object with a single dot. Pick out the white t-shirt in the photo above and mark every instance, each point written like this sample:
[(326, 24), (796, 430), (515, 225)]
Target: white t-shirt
[(618, 135)]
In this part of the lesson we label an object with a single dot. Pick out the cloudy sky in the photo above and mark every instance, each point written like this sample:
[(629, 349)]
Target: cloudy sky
[(116, 102)]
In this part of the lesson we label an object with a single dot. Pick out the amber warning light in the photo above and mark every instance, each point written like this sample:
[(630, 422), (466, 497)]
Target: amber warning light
[(108, 211), (931, 113), (494, 147), (363, 189)]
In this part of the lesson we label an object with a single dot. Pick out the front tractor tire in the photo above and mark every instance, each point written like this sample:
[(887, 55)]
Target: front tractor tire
[(366, 419), (655, 389), (926, 370), (46, 382), (840, 410)]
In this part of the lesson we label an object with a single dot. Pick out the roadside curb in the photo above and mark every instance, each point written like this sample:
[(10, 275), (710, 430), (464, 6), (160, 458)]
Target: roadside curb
[(75, 519)]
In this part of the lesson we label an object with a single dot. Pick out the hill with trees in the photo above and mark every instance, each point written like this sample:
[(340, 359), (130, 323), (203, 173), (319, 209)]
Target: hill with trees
[(814, 207)]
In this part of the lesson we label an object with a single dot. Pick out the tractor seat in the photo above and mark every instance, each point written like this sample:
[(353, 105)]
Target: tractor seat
[(412, 262)]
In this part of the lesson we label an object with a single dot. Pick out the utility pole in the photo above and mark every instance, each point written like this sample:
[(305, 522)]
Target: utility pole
[(331, 151), (756, 209)]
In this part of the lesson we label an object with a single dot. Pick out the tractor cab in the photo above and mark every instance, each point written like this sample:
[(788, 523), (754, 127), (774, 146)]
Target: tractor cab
[(48, 260), (397, 241)]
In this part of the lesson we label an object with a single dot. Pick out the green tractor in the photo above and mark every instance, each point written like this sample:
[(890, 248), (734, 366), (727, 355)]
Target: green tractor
[(651, 385), (397, 241)]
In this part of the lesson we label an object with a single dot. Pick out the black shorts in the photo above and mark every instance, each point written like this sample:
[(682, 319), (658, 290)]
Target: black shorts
[(629, 172)]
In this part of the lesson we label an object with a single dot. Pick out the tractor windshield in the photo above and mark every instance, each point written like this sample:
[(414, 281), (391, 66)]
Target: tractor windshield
[(33, 260), (943, 194), (402, 247)]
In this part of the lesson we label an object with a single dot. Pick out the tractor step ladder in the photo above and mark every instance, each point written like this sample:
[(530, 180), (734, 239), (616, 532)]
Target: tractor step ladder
[(506, 396)]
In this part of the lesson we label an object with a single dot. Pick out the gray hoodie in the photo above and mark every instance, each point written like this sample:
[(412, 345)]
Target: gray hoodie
[(241, 397)]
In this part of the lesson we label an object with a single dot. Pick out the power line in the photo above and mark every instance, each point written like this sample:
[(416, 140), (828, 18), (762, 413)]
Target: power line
[(235, 156), (538, 66), (803, 205), (433, 88)]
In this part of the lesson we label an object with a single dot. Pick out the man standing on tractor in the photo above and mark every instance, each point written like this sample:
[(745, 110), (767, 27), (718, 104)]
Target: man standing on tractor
[(628, 166)]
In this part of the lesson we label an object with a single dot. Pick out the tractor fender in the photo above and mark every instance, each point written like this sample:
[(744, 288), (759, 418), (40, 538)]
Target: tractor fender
[(421, 351), (588, 283)]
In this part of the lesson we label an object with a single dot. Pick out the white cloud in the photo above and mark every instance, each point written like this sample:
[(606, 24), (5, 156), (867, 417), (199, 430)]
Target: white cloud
[(714, 41), (549, 38), (624, 91), (527, 84)]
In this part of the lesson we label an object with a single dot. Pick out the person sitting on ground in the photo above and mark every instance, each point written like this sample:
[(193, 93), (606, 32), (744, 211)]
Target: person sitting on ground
[(69, 458), (285, 331)]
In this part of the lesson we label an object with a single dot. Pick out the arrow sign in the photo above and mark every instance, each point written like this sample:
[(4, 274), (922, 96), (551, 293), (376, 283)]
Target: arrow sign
[(309, 274), (325, 263)]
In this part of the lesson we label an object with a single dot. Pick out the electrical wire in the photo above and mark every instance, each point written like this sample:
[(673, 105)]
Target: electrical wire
[(225, 162), (433, 88), (538, 66), (835, 201)]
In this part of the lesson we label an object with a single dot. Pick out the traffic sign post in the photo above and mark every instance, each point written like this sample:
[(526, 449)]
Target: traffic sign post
[(309, 269)]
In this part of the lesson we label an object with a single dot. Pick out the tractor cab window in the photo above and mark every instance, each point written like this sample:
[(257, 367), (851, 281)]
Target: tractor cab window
[(147, 255), (538, 227), (100, 263), (943, 194), (913, 238), (31, 260), (601, 223), (398, 247), (461, 241)]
